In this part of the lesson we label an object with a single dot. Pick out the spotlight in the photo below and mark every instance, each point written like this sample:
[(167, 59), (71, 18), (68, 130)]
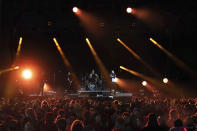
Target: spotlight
[(16, 67), (165, 80), (27, 74), (45, 87), (144, 83), (129, 10), (75, 9)]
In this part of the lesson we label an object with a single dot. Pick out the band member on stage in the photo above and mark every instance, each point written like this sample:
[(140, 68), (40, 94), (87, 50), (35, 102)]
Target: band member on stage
[(93, 79), (114, 79), (86, 81), (113, 76), (69, 80), (100, 82)]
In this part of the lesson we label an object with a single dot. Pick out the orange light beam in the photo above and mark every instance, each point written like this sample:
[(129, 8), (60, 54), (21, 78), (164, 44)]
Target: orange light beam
[(90, 22), (177, 61), (67, 63), (100, 64), (14, 67), (19, 47), (139, 58), (161, 85), (18, 51), (138, 74), (9, 69)]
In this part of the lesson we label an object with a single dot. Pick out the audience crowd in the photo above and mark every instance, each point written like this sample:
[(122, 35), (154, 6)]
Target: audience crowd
[(101, 114)]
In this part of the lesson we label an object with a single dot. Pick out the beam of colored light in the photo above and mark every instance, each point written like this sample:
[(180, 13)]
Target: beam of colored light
[(18, 51), (19, 48), (100, 64), (150, 16), (147, 78), (136, 73), (27, 74), (90, 22), (177, 61), (155, 82), (139, 58), (127, 85), (9, 69), (67, 63), (46, 87), (148, 86)]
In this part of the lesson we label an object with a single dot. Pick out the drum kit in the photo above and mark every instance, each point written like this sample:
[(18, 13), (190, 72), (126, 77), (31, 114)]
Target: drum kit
[(92, 86), (93, 81)]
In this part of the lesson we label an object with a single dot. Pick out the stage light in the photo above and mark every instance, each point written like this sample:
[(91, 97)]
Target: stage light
[(19, 47), (165, 80), (27, 74), (16, 67), (129, 10), (45, 87), (9, 69), (121, 67), (75, 9), (144, 83)]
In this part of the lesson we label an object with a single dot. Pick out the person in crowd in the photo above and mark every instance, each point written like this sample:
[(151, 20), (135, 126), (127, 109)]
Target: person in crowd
[(12, 125), (89, 114), (77, 125), (61, 124), (44, 105), (189, 124), (173, 115), (31, 120), (152, 123), (49, 122), (178, 126), (163, 123), (119, 125)]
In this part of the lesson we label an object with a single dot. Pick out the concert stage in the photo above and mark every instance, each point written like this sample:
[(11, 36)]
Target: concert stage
[(100, 93), (86, 93)]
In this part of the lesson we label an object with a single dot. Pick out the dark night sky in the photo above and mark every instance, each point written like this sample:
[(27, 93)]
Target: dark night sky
[(175, 28)]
